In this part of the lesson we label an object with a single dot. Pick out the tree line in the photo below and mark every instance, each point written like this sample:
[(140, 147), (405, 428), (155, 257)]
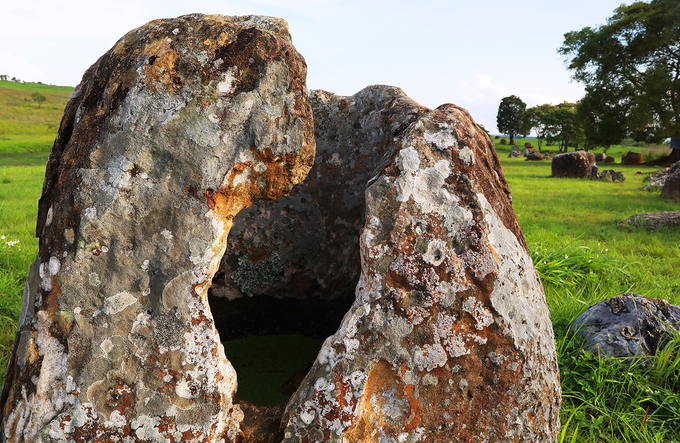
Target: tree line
[(630, 67)]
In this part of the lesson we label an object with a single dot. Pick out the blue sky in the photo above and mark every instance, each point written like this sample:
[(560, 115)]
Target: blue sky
[(471, 53)]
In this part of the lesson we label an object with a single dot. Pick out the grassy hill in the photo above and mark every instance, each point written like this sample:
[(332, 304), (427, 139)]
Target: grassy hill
[(27, 128)]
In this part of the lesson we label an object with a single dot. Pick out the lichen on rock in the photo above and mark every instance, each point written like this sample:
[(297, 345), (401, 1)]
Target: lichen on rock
[(449, 310), (182, 124)]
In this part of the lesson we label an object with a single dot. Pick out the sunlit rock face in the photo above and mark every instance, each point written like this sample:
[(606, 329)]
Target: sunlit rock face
[(449, 337), (182, 124)]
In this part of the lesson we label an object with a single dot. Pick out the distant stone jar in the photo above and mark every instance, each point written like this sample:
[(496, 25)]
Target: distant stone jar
[(632, 158), (572, 164)]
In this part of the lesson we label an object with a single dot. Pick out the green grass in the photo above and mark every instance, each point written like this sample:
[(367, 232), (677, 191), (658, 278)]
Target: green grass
[(584, 255), (25, 126), (19, 192)]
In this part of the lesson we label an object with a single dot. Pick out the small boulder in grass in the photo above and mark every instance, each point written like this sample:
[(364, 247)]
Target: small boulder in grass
[(654, 220), (599, 158), (629, 325), (609, 159), (514, 152), (534, 156), (609, 175)]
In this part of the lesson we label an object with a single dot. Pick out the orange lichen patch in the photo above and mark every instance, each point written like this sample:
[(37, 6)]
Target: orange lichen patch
[(161, 67), (385, 398)]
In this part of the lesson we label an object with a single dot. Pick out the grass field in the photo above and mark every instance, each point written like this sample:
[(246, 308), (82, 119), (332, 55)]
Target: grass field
[(27, 129), (578, 244)]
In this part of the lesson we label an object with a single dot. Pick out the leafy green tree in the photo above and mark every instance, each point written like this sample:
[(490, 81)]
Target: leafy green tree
[(603, 120), (509, 117), (631, 69), (564, 125), (38, 98), (536, 118)]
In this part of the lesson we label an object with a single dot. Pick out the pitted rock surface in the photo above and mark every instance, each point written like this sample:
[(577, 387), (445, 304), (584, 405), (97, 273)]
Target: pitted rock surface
[(572, 164), (449, 338), (629, 325), (289, 259), (169, 135)]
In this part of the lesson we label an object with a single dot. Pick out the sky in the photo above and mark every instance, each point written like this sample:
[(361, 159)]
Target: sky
[(468, 52)]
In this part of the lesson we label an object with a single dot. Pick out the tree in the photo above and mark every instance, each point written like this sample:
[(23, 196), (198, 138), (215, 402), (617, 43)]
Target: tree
[(38, 98), (603, 121), (565, 126), (631, 69), (536, 118), (509, 117)]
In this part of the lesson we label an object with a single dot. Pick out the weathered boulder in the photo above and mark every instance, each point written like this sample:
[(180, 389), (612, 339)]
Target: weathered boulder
[(656, 180), (654, 220), (503, 141), (449, 338), (572, 164), (631, 158), (629, 325), (526, 151), (528, 145), (182, 124), (599, 158), (514, 152), (609, 159), (609, 175), (290, 258), (671, 186), (534, 155)]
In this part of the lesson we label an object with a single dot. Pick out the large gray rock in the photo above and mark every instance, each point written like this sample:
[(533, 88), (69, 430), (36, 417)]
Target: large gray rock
[(449, 337), (182, 124), (629, 325)]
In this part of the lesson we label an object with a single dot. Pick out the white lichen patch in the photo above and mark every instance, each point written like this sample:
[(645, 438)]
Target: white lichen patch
[(520, 300), (50, 216), (167, 234), (429, 357), (91, 213), (118, 302), (93, 279), (408, 160), (436, 252), (227, 84), (442, 139), (466, 156), (483, 317), (55, 266)]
